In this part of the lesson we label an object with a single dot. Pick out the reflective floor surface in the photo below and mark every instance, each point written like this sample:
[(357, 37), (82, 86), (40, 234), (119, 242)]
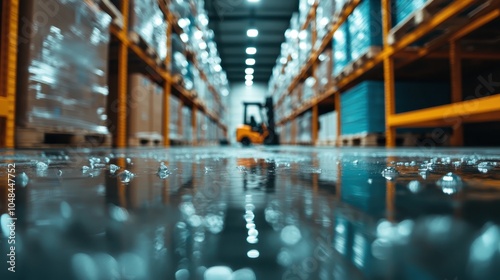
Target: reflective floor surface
[(257, 213)]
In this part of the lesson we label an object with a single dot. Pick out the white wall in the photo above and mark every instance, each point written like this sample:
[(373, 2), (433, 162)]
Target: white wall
[(241, 93)]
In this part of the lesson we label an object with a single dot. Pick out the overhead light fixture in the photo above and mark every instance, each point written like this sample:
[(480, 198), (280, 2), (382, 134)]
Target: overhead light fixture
[(249, 83), (252, 32), (250, 61), (249, 71), (248, 77), (251, 50)]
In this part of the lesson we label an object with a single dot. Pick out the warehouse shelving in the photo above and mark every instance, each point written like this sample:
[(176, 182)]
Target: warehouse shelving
[(169, 83), (128, 55), (399, 55), (8, 64)]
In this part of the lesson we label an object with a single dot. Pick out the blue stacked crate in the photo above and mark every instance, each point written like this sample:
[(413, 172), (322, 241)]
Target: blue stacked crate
[(363, 109), (341, 49), (365, 27), (403, 8)]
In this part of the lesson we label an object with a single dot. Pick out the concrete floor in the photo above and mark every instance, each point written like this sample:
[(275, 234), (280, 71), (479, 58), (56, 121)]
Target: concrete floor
[(256, 213)]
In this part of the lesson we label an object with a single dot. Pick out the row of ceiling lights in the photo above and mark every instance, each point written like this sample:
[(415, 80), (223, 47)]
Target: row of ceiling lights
[(249, 71)]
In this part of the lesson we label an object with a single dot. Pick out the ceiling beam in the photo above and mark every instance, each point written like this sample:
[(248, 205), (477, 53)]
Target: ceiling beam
[(240, 17), (258, 45)]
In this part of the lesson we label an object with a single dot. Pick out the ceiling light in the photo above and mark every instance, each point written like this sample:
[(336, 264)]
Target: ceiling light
[(249, 83), (248, 77), (251, 50), (249, 71), (250, 61), (252, 32)]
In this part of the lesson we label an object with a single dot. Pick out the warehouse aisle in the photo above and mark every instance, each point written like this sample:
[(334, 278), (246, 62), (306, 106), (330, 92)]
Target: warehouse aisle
[(256, 213)]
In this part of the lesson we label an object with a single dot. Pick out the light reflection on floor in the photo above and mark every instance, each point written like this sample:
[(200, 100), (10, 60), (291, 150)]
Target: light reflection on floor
[(257, 213)]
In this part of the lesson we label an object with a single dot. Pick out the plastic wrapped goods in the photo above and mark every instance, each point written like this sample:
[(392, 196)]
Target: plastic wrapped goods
[(341, 49), (365, 27), (147, 20), (58, 89)]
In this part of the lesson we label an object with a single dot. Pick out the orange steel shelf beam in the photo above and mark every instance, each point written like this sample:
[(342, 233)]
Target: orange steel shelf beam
[(121, 126), (448, 12), (447, 115), (8, 68)]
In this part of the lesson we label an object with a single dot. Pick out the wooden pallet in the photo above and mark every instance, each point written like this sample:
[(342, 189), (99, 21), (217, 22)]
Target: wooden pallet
[(358, 63), (146, 140), (431, 8), (368, 140), (60, 138), (148, 49), (326, 143)]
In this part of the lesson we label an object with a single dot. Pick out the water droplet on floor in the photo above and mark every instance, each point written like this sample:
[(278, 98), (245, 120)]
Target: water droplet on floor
[(243, 274), (415, 186), (41, 166), (182, 274), (84, 266), (129, 161), (65, 210), (253, 254), (22, 180), (199, 237), (450, 183), (101, 190), (113, 168), (218, 273), (355, 162), (290, 235), (484, 167), (390, 173), (106, 159), (126, 176), (370, 181), (59, 173), (214, 223), (163, 171), (118, 213), (85, 169)]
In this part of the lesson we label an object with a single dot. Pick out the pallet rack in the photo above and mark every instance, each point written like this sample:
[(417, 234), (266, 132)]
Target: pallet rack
[(8, 64), (127, 52), (396, 54)]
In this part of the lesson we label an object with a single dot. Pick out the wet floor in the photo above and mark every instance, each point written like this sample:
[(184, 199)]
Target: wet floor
[(258, 213)]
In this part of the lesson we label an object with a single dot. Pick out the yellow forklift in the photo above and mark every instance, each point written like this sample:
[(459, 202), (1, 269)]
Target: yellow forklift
[(252, 132)]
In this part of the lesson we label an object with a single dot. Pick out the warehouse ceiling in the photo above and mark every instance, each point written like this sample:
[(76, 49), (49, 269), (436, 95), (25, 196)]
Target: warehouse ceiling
[(230, 20)]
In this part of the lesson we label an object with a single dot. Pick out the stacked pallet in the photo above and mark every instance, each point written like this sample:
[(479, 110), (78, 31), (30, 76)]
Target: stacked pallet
[(363, 113), (145, 120), (62, 96), (327, 129), (148, 28), (358, 39)]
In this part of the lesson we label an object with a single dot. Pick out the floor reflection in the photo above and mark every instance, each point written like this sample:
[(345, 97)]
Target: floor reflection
[(281, 213)]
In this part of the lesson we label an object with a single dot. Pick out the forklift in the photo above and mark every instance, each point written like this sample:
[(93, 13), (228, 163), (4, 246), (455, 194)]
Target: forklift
[(252, 132)]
